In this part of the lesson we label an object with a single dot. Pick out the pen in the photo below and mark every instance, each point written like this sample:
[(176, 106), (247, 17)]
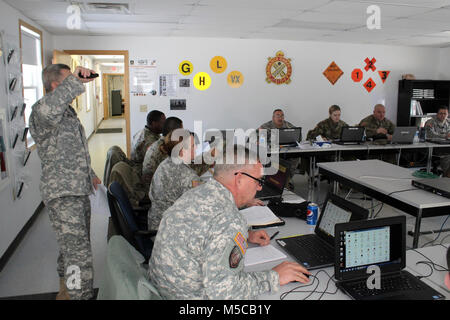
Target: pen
[(273, 236)]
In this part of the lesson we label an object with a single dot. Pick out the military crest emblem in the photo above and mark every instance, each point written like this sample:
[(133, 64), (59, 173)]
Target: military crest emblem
[(279, 69)]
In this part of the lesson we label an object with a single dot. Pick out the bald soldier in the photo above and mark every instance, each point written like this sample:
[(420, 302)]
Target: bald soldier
[(377, 125), (202, 240)]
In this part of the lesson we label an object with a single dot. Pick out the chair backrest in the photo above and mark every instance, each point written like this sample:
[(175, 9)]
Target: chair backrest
[(125, 215), (114, 155), (125, 277)]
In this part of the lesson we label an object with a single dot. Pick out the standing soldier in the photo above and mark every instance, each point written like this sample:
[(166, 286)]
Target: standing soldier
[(67, 177)]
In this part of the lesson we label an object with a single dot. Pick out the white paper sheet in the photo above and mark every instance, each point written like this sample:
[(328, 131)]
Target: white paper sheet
[(264, 254), (259, 215)]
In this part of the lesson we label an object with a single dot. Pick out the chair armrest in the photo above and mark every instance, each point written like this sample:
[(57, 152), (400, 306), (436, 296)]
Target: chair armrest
[(146, 233)]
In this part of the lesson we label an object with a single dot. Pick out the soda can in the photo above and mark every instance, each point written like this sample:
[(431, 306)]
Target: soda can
[(312, 212)]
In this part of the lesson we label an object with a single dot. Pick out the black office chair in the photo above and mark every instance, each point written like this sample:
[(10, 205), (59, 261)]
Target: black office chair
[(124, 218)]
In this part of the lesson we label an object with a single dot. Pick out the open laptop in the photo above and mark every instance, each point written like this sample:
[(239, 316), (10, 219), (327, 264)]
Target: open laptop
[(351, 135), (288, 137), (439, 186), (379, 242), (274, 185), (317, 250), (403, 135)]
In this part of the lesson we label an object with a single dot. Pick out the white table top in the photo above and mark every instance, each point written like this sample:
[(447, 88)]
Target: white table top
[(296, 226), (386, 178)]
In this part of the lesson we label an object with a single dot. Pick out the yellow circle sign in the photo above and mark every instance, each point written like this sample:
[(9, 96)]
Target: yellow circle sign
[(218, 64), (186, 67), (235, 79), (202, 81)]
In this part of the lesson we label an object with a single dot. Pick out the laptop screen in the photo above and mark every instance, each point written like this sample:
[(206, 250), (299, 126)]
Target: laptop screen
[(289, 135), (331, 215), (278, 180), (361, 244), (337, 210)]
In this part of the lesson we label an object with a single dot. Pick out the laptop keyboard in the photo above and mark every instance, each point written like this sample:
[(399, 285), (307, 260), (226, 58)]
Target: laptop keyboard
[(395, 283), (311, 249)]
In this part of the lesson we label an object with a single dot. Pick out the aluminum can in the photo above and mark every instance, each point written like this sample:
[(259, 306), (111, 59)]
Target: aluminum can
[(312, 212)]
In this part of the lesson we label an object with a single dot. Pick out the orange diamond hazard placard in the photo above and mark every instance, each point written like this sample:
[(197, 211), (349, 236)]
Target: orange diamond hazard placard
[(369, 85), (333, 73)]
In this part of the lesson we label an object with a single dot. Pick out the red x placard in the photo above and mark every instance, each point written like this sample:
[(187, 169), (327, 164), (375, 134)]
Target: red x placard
[(370, 64)]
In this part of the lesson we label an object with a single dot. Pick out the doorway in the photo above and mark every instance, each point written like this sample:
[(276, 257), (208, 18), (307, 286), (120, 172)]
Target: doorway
[(109, 59), (113, 90)]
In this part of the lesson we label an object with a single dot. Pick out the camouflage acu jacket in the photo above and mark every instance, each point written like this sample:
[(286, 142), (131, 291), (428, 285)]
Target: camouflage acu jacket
[(61, 143), (372, 124), (436, 129), (200, 247), (327, 129), (142, 140)]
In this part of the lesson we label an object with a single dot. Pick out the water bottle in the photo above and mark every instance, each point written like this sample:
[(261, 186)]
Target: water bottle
[(416, 137)]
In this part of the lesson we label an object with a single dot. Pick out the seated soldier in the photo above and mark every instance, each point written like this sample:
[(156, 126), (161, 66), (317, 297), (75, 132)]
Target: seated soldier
[(144, 138), (200, 247), (173, 176), (439, 127), (278, 122), (377, 125), (328, 129)]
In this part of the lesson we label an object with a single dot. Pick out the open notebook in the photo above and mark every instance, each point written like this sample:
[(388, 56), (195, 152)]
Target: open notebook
[(261, 217)]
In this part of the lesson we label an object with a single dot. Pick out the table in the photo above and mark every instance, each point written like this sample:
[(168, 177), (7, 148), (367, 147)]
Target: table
[(390, 184), (305, 149), (295, 226)]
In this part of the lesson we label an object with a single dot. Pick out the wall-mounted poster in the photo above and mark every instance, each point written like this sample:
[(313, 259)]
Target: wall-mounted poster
[(143, 76), (168, 85)]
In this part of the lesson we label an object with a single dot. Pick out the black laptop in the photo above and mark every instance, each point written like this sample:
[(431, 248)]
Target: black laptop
[(288, 137), (379, 242), (439, 186), (273, 186), (403, 135), (351, 135), (317, 250)]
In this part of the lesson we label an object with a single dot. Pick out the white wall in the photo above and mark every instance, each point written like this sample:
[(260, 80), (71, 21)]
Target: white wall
[(305, 101), (443, 69), (14, 214)]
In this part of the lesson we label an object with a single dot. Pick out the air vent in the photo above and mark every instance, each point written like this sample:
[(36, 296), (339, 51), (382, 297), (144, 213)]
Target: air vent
[(104, 7)]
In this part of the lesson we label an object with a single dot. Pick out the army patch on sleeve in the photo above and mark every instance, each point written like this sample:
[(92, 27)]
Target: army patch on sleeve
[(235, 257), (241, 242)]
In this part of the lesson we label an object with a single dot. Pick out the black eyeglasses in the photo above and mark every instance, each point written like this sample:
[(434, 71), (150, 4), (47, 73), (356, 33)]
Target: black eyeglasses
[(260, 181)]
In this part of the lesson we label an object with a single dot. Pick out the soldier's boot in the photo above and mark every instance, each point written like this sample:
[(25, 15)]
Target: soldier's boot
[(63, 294)]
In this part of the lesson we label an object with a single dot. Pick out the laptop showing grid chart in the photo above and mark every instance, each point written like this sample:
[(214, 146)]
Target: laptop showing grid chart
[(317, 250), (381, 243)]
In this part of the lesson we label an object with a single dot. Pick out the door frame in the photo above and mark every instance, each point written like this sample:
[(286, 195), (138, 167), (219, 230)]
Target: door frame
[(126, 80), (104, 87)]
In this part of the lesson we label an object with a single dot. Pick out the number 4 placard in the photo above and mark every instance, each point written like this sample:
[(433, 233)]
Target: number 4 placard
[(369, 85)]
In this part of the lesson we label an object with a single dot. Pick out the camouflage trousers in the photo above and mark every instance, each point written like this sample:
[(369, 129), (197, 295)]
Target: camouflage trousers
[(70, 218)]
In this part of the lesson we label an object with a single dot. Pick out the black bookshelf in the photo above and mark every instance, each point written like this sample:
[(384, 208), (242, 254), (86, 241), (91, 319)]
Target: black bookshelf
[(429, 93)]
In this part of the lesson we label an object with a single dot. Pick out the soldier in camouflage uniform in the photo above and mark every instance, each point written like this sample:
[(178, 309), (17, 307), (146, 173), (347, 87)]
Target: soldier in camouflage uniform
[(377, 126), (278, 122), (380, 129), (171, 180), (144, 138), (439, 127), (202, 240), (67, 177), (329, 129), (155, 154)]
